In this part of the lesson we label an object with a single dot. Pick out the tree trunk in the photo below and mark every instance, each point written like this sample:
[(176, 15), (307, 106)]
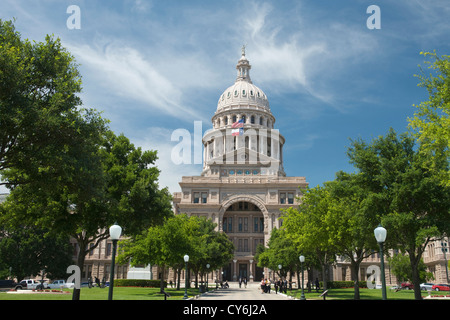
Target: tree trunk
[(161, 283), (179, 280), (324, 276), (415, 276), (80, 263), (354, 272)]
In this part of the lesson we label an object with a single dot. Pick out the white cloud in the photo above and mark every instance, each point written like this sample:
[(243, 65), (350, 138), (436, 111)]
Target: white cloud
[(298, 54), (126, 73)]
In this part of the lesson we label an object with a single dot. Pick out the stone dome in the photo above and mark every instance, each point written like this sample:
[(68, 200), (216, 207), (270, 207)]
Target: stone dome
[(243, 93)]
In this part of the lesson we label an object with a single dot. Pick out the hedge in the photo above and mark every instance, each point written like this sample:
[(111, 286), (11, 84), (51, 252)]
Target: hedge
[(138, 283)]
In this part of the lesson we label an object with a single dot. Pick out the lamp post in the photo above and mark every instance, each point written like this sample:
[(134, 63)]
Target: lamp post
[(114, 232), (380, 235), (302, 259), (186, 259), (444, 250), (207, 271)]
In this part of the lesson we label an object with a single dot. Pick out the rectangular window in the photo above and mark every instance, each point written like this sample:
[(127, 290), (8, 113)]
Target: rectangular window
[(91, 249), (240, 226), (225, 225), (230, 224), (196, 197), (204, 197), (246, 245), (255, 222), (261, 224), (283, 198), (290, 197), (245, 224)]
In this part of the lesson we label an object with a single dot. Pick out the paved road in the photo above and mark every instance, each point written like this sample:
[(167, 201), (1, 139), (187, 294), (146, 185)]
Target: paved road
[(252, 292)]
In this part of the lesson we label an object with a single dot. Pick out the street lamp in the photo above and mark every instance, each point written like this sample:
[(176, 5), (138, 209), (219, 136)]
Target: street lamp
[(444, 250), (207, 271), (114, 232), (380, 235), (186, 259), (302, 259)]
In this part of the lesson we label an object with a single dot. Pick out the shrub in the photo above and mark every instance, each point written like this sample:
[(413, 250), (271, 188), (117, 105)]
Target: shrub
[(138, 283)]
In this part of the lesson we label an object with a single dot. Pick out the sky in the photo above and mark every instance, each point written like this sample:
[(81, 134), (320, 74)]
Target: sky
[(152, 67)]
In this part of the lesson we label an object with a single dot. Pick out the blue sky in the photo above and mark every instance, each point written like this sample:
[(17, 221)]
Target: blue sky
[(156, 66)]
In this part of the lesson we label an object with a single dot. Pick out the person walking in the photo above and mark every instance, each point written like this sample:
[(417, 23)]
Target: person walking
[(317, 283), (263, 285)]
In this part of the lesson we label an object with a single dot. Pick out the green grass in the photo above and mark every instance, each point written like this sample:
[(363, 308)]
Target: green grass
[(119, 293), (365, 294)]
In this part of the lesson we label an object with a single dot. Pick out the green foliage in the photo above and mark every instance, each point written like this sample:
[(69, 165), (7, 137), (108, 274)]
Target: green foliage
[(431, 121), (400, 266), (68, 173), (280, 251), (27, 251), (138, 283), (179, 235)]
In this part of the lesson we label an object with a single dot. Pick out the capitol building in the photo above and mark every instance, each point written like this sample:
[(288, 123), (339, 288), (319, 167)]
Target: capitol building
[(242, 186)]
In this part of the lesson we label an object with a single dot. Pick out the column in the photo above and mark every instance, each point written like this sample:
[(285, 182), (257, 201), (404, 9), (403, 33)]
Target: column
[(251, 270), (234, 271)]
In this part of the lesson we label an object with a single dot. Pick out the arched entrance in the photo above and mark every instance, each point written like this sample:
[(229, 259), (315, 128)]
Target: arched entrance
[(243, 220)]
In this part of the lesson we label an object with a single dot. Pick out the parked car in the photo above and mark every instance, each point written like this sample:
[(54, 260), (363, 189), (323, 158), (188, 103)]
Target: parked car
[(9, 284), (407, 286), (57, 284), (32, 284), (426, 286), (441, 287)]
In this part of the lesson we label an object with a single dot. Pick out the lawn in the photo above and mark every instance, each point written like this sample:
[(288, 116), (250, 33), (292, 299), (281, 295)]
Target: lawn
[(365, 294), (119, 293)]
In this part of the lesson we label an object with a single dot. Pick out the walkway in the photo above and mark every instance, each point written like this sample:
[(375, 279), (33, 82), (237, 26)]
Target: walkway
[(252, 292)]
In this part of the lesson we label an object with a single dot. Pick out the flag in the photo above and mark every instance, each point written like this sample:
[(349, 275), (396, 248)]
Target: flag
[(237, 132), (238, 124)]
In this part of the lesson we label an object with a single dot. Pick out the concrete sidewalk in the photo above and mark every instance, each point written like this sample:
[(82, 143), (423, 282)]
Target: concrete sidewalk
[(252, 292)]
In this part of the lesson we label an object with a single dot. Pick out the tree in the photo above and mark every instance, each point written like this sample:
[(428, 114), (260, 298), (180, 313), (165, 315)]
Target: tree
[(404, 193), (44, 132), (166, 245), (431, 121), (350, 227), (307, 228), (280, 251), (124, 190), (27, 251), (401, 267)]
